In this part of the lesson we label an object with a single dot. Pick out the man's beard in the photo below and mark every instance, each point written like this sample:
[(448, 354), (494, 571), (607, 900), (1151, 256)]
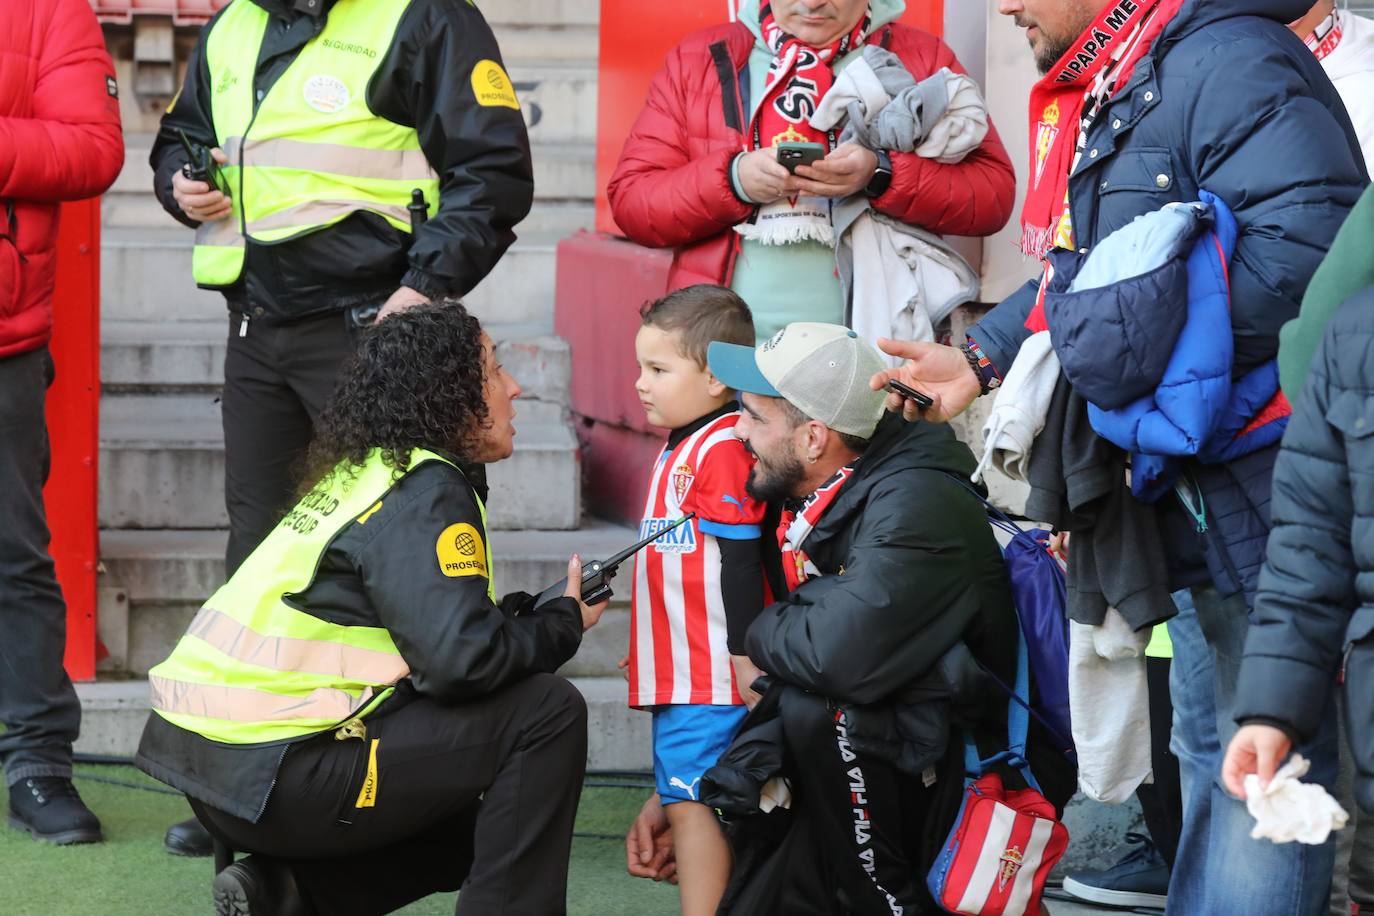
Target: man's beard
[(1053, 47), (778, 482)]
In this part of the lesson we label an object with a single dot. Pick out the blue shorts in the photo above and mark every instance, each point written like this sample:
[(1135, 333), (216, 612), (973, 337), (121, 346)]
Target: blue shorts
[(687, 741)]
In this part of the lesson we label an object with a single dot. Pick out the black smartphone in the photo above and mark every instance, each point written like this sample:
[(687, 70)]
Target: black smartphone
[(791, 155), (202, 165), (922, 400)]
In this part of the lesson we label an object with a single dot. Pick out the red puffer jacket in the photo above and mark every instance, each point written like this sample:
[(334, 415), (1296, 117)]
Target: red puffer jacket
[(59, 140), (671, 187)]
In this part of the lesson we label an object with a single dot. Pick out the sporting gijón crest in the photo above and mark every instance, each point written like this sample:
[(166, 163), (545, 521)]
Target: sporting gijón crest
[(681, 481)]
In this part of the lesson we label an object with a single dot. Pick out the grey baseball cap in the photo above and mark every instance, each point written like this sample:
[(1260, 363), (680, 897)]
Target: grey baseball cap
[(822, 369)]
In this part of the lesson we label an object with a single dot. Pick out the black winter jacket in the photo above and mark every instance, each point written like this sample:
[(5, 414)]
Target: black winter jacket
[(481, 153), (910, 570), (1315, 606), (457, 644)]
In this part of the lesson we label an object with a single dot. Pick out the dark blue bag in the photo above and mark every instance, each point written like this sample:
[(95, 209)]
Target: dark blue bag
[(1041, 599)]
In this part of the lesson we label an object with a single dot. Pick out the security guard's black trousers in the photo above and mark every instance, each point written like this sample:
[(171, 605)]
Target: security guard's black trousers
[(479, 795)]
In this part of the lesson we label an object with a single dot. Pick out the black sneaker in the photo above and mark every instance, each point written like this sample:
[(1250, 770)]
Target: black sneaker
[(50, 810), (257, 886), (1141, 878)]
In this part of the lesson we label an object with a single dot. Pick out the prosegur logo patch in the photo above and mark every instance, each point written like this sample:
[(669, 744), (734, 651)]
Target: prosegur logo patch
[(492, 87), (461, 552)]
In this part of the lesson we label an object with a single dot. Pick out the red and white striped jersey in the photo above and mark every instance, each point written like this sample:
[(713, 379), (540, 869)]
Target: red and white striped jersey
[(678, 648)]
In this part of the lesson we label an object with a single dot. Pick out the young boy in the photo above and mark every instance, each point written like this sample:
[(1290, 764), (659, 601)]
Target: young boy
[(697, 589)]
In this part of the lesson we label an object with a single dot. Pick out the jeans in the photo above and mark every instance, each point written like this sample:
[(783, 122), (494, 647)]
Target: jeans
[(1220, 870), (38, 705)]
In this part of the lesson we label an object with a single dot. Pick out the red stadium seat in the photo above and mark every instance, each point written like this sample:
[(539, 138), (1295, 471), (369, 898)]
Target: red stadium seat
[(183, 12)]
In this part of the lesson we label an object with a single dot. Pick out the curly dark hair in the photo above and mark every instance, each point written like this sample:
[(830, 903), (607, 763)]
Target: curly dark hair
[(416, 381)]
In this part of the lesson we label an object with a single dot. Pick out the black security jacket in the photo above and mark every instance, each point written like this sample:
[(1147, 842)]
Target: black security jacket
[(382, 570), (481, 153)]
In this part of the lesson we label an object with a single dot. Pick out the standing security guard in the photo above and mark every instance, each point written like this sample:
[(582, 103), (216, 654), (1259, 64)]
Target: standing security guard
[(325, 117), (354, 706)]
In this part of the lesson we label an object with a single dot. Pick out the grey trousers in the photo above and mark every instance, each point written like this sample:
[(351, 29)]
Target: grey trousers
[(1354, 878), (38, 705)]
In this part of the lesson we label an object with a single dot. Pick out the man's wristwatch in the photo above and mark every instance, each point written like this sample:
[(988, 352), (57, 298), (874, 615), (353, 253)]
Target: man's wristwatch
[(882, 175)]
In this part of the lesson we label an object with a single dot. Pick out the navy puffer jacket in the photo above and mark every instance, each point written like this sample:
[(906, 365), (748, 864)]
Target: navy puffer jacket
[(1315, 606), (1228, 100)]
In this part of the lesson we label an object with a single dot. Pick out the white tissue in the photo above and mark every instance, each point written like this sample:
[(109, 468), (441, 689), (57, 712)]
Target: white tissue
[(1291, 810)]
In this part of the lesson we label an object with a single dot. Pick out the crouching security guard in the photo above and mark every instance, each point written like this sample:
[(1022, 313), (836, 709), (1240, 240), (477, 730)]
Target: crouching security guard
[(354, 707)]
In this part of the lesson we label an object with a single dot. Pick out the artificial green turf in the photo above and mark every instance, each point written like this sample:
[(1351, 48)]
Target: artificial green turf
[(130, 874)]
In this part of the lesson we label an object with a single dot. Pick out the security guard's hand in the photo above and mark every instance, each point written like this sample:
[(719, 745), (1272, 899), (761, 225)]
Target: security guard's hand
[(197, 199), (590, 613), (402, 299)]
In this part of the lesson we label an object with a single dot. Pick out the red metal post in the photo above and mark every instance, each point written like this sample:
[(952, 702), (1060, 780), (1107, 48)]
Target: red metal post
[(73, 427)]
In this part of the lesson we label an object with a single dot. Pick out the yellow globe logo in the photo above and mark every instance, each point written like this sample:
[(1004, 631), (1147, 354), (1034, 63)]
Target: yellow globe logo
[(466, 544)]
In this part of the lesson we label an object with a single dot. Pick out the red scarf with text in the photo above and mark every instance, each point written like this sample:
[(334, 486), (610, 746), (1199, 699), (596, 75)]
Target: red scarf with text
[(1058, 99), (797, 524), (797, 80)]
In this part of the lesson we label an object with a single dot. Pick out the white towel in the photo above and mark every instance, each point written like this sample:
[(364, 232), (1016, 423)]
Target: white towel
[(1109, 704), (1290, 810), (1019, 409)]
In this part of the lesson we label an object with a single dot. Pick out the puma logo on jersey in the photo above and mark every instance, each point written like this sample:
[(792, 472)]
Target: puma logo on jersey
[(691, 790)]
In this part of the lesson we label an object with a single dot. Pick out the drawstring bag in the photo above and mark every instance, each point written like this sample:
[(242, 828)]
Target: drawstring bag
[(1004, 842), (1041, 599)]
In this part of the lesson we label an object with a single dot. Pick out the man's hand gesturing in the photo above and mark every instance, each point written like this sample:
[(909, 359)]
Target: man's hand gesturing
[(933, 369)]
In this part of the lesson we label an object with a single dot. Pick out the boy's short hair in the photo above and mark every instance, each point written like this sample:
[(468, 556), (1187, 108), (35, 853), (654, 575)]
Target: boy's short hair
[(700, 314)]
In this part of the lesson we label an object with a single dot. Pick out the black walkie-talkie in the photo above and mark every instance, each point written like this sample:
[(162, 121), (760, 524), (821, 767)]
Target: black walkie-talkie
[(202, 165), (596, 576)]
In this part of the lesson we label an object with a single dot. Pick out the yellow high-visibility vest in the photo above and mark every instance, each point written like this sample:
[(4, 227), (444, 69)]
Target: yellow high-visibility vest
[(254, 666), (310, 152)]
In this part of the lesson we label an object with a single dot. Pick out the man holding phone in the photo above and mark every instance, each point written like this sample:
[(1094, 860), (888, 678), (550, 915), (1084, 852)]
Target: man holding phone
[(724, 165)]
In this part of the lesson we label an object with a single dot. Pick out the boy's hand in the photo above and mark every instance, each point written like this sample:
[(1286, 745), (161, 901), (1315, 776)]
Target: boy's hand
[(649, 849), (1255, 749), (746, 672), (624, 666)]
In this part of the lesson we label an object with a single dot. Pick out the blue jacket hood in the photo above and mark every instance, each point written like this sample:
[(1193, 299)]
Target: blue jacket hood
[(1195, 14)]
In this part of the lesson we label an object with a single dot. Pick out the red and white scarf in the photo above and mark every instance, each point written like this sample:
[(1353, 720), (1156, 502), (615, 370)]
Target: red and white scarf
[(796, 525), (798, 78), (1326, 36), (1064, 102)]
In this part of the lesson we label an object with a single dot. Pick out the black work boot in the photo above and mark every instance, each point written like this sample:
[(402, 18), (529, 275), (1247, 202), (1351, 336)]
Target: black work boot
[(258, 886), (50, 810), (188, 838)]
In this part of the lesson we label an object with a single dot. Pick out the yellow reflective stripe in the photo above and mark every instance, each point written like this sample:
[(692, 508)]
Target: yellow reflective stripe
[(312, 214), (242, 704), (336, 158), (285, 653)]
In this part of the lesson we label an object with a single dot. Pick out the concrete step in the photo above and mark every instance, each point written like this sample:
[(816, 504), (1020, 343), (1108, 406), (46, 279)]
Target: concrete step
[(153, 582), (146, 276), (185, 356), (113, 714), (162, 466), (555, 40), (558, 99), (527, 13)]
